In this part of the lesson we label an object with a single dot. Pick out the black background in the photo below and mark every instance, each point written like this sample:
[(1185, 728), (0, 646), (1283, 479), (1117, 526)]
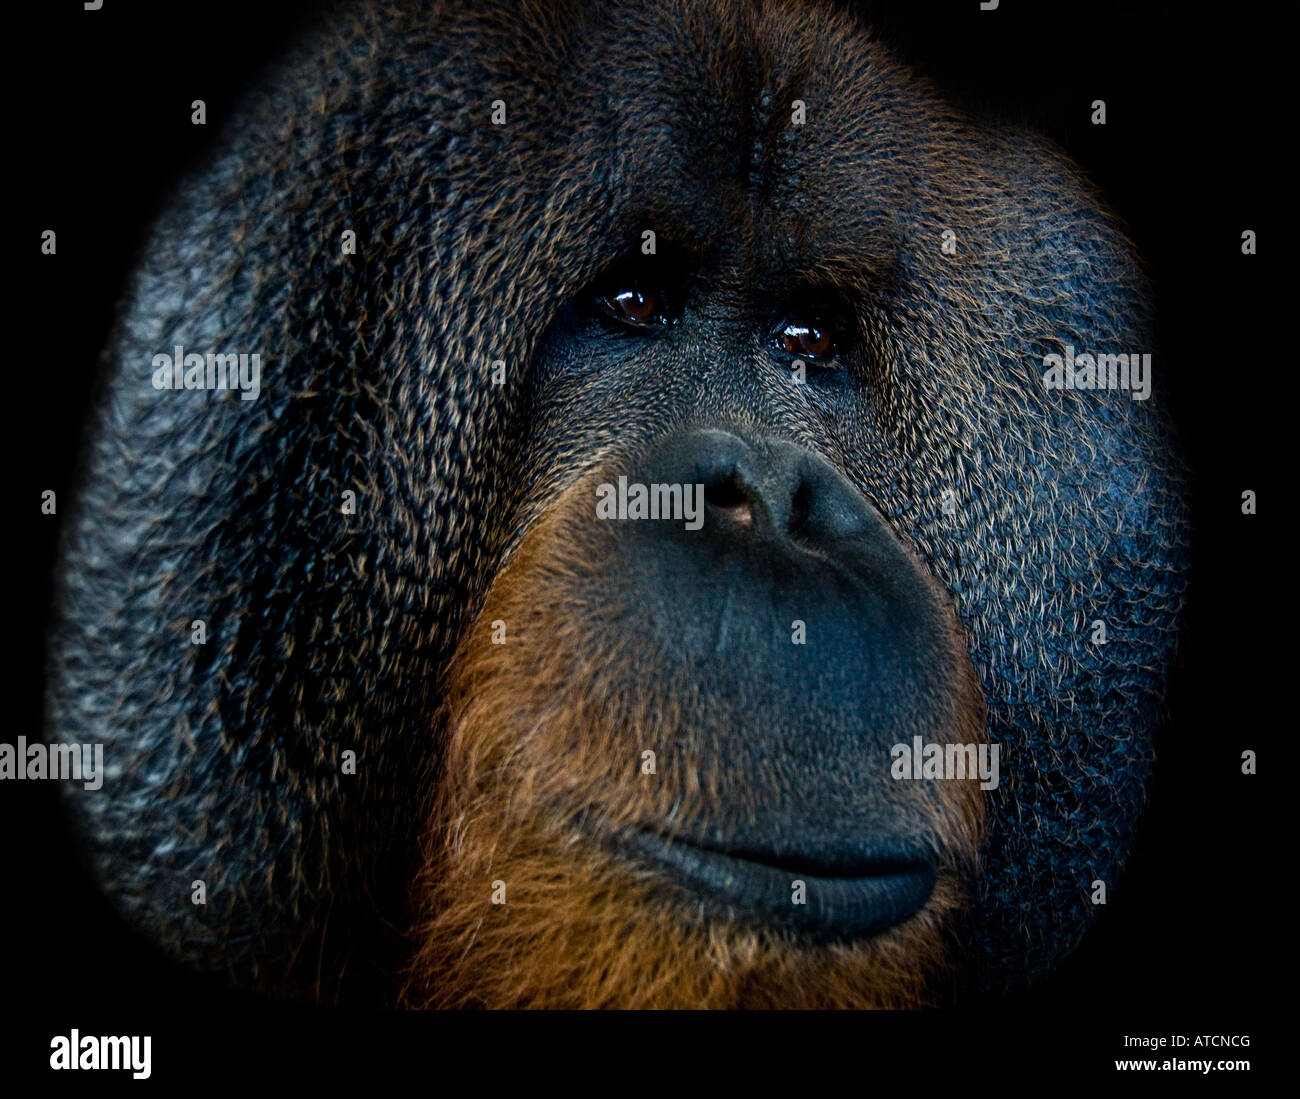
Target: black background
[(1188, 157)]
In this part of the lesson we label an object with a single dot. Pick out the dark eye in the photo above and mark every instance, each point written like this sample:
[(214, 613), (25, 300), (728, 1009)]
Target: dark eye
[(643, 293), (635, 305), (806, 338)]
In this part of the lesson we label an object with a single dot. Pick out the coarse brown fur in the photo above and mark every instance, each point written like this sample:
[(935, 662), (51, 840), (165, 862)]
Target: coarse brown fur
[(369, 632), (545, 734)]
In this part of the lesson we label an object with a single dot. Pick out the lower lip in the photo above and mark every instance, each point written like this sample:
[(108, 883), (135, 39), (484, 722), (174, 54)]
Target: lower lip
[(877, 896)]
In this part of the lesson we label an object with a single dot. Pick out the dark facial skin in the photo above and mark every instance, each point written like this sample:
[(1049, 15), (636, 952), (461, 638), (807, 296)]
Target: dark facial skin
[(787, 540)]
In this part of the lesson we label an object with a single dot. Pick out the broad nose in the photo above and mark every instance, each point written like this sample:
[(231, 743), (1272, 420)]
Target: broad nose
[(762, 487)]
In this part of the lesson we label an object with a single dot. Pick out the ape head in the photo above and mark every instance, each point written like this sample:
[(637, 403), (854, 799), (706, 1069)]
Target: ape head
[(665, 471)]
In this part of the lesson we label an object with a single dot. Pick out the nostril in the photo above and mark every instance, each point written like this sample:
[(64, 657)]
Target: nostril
[(800, 507), (726, 495), (725, 492)]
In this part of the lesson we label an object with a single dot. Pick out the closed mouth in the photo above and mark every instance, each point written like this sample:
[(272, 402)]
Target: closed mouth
[(842, 897)]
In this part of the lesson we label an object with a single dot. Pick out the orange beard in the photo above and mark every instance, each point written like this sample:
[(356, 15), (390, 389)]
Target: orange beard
[(544, 750)]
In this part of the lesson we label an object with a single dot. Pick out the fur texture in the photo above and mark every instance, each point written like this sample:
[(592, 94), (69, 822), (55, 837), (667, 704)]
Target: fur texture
[(544, 739), (330, 633)]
